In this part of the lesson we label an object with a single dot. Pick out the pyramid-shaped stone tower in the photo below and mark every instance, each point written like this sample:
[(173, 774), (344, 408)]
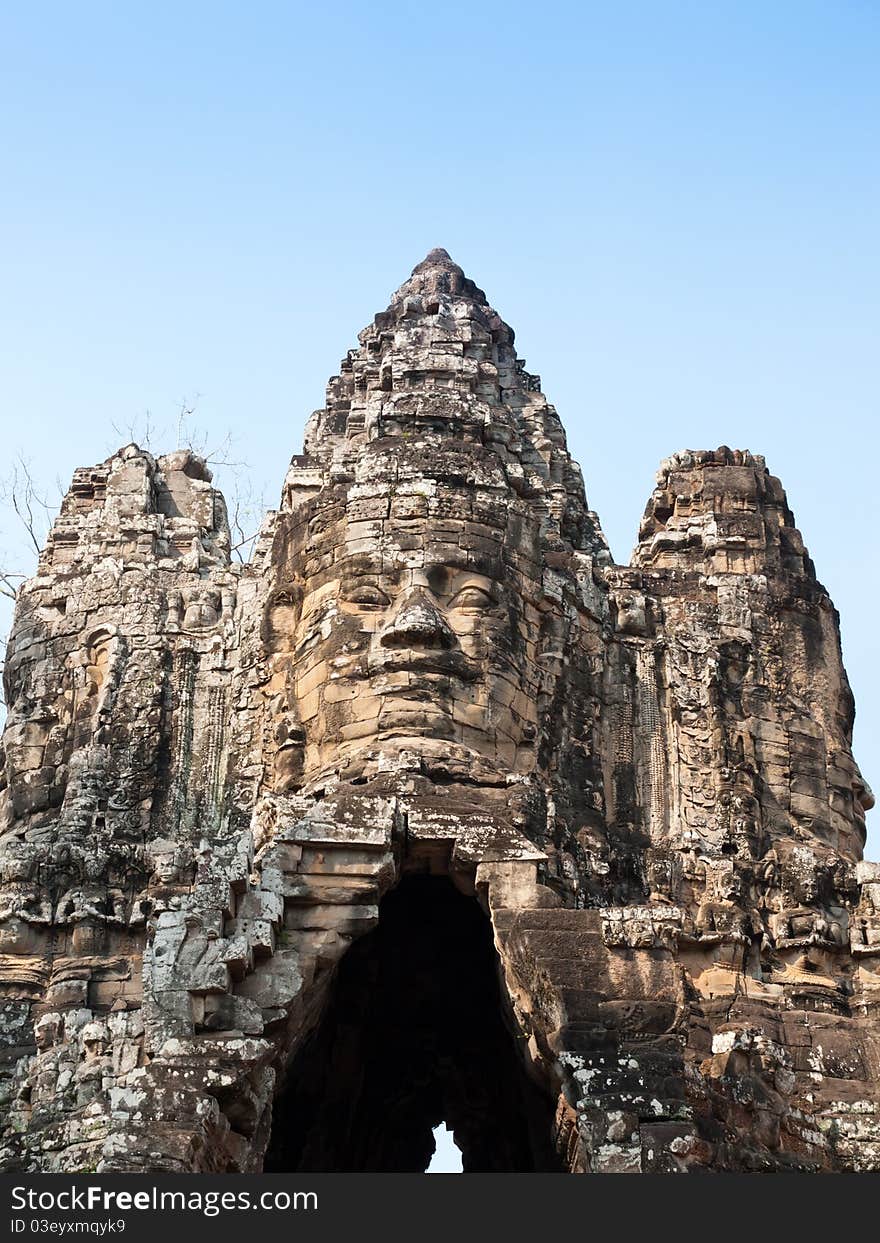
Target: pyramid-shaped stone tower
[(432, 812)]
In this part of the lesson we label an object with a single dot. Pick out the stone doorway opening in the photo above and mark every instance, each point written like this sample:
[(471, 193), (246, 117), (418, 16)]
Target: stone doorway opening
[(415, 1033)]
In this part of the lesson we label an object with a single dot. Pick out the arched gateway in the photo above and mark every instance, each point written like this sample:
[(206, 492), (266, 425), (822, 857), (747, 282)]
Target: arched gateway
[(417, 1031), (432, 812)]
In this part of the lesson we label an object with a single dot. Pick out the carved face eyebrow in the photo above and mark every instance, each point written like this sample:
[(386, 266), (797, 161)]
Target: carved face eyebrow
[(473, 591), (378, 580), (365, 592), (367, 580), (487, 564), (470, 574), (442, 572), (360, 563)]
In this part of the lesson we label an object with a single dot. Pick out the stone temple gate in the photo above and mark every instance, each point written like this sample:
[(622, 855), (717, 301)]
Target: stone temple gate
[(432, 812)]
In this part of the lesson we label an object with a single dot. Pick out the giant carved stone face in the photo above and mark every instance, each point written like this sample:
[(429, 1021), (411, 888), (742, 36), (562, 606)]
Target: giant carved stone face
[(406, 620)]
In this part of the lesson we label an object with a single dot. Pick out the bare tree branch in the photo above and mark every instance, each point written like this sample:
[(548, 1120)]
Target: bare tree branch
[(33, 514), (140, 431), (196, 439), (187, 410), (246, 509), (33, 510), (10, 581), (20, 493)]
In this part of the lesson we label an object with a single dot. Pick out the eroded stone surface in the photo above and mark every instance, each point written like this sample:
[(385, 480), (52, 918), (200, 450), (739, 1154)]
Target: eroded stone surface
[(212, 774)]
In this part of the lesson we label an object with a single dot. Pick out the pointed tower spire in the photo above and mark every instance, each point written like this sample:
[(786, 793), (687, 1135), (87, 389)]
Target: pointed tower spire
[(436, 258), (439, 367), (439, 277)]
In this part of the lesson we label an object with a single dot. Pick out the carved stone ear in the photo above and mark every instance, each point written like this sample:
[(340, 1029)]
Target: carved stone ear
[(281, 615), (287, 768), (101, 638)]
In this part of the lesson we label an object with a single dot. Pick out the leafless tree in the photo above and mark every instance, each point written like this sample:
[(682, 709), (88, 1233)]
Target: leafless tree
[(245, 506), (246, 510), (185, 434), (29, 502), (140, 431), (10, 581), (33, 509)]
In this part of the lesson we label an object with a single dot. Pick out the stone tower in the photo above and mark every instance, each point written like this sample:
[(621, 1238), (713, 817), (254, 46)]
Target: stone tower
[(432, 812)]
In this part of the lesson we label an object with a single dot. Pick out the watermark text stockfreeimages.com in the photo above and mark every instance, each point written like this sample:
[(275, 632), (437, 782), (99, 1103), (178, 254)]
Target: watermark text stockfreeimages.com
[(96, 1199)]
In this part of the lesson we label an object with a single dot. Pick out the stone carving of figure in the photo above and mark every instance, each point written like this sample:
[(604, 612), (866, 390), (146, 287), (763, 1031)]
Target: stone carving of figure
[(631, 613), (31, 728), (719, 914), (87, 900), (202, 609), (21, 894), (171, 863)]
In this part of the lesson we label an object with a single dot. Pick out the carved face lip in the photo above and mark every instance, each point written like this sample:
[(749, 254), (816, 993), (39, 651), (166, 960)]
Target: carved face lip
[(447, 664)]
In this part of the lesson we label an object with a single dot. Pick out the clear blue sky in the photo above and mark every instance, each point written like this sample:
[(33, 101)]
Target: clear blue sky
[(675, 205)]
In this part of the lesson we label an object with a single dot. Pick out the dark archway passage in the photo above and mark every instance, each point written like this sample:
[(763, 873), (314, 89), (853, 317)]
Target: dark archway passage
[(413, 1035)]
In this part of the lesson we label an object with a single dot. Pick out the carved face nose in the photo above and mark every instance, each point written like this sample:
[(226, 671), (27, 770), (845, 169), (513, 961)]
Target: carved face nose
[(418, 622), (863, 795)]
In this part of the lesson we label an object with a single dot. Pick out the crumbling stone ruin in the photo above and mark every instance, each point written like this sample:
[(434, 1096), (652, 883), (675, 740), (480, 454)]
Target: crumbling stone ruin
[(432, 812)]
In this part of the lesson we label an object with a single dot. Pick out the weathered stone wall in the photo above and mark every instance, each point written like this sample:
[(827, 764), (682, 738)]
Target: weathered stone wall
[(211, 774)]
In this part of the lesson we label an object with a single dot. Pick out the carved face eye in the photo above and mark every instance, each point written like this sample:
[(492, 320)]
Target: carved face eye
[(472, 597), (367, 597)]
